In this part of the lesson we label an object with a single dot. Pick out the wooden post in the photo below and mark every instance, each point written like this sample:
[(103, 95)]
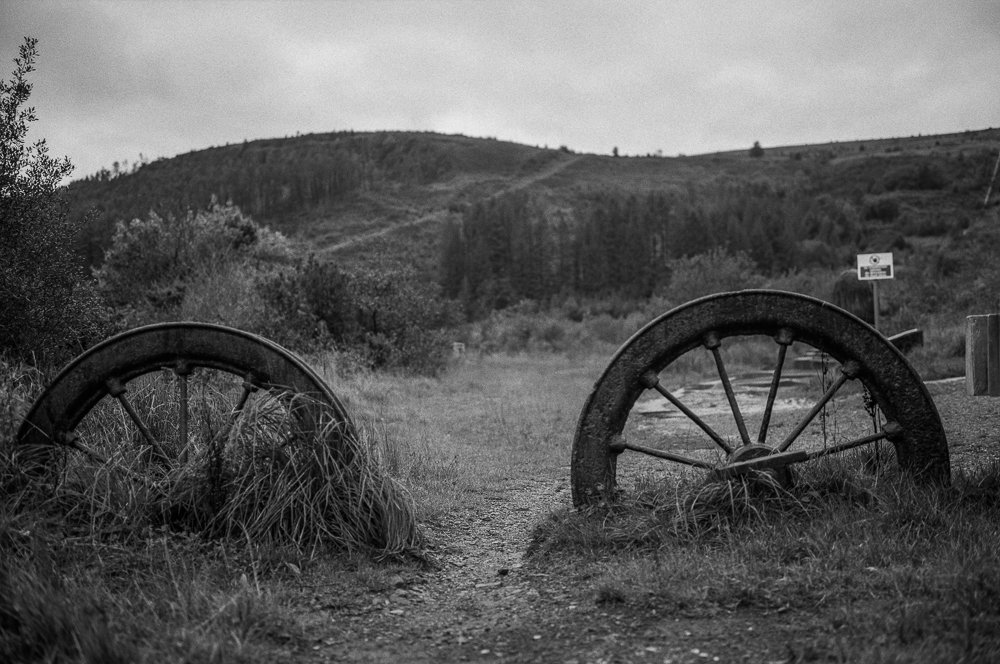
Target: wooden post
[(982, 355), (875, 303)]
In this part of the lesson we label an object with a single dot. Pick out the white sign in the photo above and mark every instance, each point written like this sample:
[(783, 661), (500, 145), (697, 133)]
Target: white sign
[(874, 266)]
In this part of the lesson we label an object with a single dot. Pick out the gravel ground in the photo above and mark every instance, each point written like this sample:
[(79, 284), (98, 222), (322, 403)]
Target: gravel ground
[(970, 423), (484, 601)]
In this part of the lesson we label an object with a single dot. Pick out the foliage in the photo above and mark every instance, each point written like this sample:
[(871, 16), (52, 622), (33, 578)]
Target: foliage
[(388, 319), (307, 304), (218, 265), (919, 176), (153, 262), (49, 311), (512, 247), (717, 271), (264, 178), (756, 151), (882, 208)]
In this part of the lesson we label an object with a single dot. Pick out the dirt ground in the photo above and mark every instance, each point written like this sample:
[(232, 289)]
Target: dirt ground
[(484, 601)]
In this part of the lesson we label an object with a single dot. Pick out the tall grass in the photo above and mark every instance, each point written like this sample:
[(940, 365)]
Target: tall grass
[(162, 598), (264, 477), (903, 572), (884, 569), (489, 421), (124, 555)]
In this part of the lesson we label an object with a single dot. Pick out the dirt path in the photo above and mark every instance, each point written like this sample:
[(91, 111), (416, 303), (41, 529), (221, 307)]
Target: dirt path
[(439, 215), (436, 215), (479, 600), (484, 601), (547, 172)]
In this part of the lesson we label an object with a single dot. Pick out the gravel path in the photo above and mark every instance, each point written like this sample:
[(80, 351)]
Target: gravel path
[(484, 601)]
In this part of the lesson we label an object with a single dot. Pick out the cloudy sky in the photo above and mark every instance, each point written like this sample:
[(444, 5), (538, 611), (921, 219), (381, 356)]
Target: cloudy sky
[(117, 79)]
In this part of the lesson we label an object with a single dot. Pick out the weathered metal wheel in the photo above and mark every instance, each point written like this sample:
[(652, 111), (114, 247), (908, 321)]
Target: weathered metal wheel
[(871, 371), (171, 391)]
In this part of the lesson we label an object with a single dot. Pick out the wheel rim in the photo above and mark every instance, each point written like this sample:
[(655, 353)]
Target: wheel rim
[(864, 355), (191, 354)]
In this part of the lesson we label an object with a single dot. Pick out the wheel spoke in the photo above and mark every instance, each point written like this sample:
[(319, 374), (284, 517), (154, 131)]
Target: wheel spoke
[(651, 381), (770, 461), (183, 370), (784, 339), (847, 371), (234, 416), (117, 390), (890, 430), (619, 445), (712, 343), (71, 440)]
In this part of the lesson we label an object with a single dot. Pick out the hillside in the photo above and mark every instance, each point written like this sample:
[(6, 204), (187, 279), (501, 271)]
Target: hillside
[(389, 197)]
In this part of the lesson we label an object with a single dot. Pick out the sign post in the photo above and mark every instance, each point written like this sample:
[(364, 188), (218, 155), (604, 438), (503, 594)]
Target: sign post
[(875, 267)]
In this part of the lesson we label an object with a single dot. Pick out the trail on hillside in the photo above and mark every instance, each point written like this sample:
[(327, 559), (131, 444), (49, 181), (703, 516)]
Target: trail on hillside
[(438, 215), (543, 174)]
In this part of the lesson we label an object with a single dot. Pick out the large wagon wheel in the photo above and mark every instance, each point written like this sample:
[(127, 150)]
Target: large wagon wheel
[(172, 391), (712, 325)]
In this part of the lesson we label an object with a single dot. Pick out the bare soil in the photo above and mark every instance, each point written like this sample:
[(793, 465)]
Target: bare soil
[(483, 600)]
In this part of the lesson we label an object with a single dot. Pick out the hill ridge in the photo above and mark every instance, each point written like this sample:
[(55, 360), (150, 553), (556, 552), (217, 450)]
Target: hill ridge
[(384, 197)]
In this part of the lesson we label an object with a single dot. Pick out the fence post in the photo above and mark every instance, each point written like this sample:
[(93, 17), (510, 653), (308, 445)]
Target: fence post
[(982, 355)]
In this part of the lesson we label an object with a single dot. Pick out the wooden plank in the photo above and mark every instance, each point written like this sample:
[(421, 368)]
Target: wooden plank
[(982, 355)]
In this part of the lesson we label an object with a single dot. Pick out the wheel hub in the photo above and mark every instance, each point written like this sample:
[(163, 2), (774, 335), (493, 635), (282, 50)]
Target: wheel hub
[(781, 474)]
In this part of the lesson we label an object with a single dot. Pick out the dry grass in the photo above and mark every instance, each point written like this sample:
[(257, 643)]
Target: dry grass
[(894, 569), (125, 555), (487, 421), (897, 572)]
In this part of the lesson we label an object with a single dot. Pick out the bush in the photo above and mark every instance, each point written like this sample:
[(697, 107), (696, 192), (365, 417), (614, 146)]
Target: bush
[(153, 262), (307, 305), (881, 208), (716, 271), (915, 177), (220, 266), (389, 318), (50, 311)]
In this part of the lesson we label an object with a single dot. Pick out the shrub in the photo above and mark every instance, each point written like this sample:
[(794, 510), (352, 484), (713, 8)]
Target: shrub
[(716, 271), (881, 208), (389, 318), (916, 177), (152, 262), (50, 311), (403, 320), (308, 304)]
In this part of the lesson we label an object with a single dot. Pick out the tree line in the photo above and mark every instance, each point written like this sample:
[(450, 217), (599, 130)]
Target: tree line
[(514, 247), (268, 179)]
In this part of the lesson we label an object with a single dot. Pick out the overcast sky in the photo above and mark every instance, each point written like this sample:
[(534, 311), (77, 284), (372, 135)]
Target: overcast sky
[(116, 79)]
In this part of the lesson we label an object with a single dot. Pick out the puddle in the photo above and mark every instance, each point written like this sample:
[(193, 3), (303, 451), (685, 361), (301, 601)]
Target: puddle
[(657, 423), (707, 398)]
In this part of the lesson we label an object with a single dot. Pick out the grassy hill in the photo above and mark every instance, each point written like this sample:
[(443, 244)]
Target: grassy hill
[(384, 198)]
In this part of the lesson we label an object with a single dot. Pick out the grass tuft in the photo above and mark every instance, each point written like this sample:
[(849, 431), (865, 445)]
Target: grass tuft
[(45, 620), (881, 555)]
